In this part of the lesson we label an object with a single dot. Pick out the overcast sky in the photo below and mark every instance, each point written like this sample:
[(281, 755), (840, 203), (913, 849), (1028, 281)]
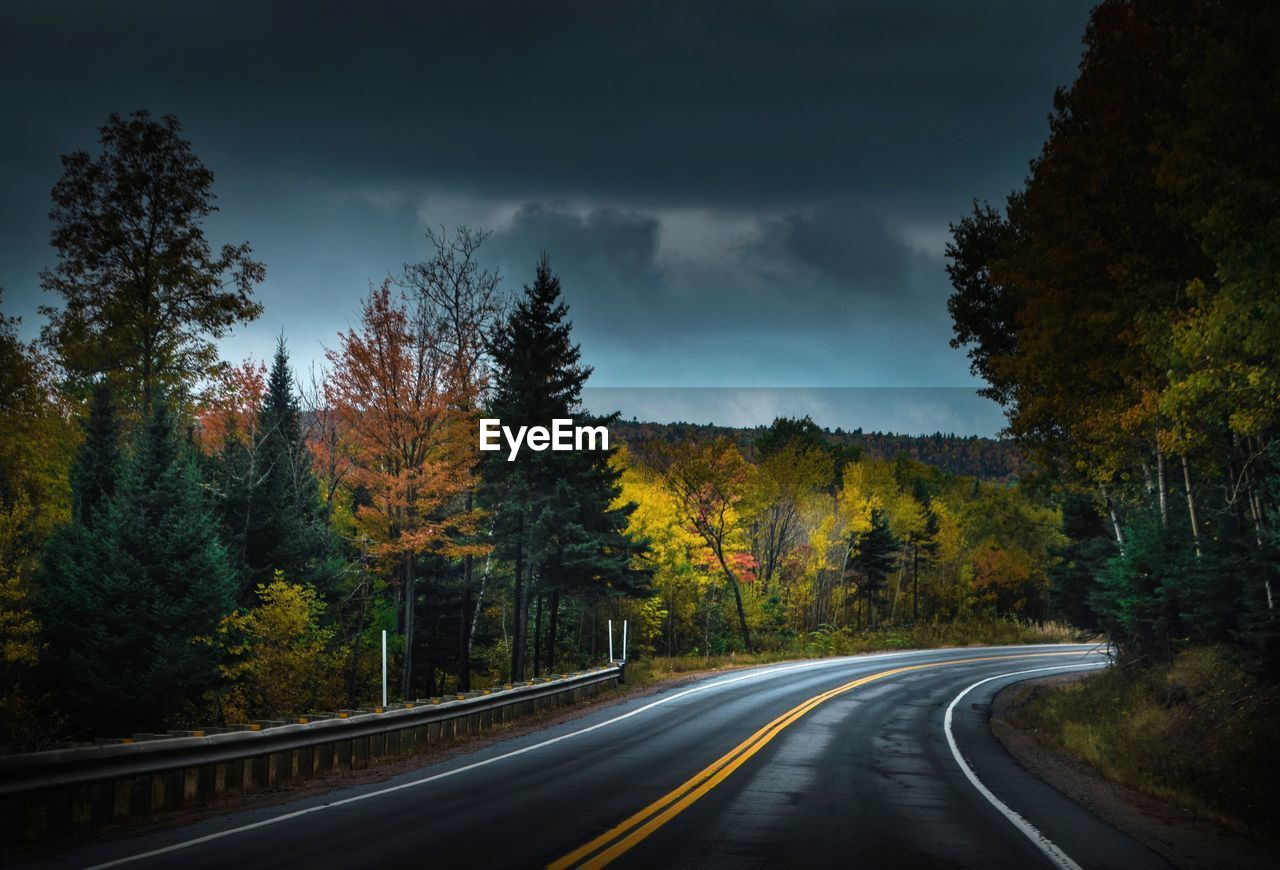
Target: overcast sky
[(734, 194)]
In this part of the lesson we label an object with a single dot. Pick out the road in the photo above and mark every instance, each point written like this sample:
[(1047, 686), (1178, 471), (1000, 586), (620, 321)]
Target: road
[(870, 761)]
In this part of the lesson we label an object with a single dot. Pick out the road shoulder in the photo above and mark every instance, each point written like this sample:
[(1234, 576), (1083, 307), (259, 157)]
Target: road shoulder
[(1180, 837)]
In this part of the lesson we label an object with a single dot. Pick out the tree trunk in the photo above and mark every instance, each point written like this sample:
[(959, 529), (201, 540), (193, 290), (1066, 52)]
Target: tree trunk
[(737, 600), (353, 673), (517, 644), (464, 620), (915, 582), (464, 626), (537, 635), (479, 605), (553, 624), (1163, 487), (1191, 504), (406, 670), (1115, 519)]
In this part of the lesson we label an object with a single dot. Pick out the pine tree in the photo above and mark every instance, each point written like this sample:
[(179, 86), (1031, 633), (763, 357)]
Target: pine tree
[(131, 603), (553, 511), (286, 534), (877, 550), (97, 468), (583, 545)]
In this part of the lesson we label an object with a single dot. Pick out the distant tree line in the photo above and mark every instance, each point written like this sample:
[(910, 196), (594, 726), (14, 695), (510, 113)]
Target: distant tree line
[(967, 455)]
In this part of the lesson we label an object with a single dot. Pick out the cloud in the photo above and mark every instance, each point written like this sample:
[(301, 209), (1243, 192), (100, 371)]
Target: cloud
[(848, 246), (746, 196)]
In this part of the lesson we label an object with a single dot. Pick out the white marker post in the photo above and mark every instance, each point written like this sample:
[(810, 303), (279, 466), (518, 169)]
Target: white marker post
[(384, 669), (624, 640), (611, 641)]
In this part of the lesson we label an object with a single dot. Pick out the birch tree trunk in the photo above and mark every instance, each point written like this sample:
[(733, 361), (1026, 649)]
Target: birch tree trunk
[(1191, 504), (1163, 486), (1115, 519)]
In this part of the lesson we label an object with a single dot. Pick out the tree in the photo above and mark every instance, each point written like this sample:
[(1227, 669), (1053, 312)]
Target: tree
[(37, 437), (874, 553), (287, 532), (788, 477), (279, 655), (583, 541), (708, 481), (97, 468), (131, 602), (228, 431), (143, 295), (452, 289), (402, 409), (1124, 307), (554, 513)]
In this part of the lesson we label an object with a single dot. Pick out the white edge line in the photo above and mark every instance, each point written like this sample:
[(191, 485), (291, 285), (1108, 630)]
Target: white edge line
[(1043, 843), (829, 662)]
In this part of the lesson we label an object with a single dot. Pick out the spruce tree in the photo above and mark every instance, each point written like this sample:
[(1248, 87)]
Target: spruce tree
[(130, 603), (286, 533), (97, 466), (877, 550), (268, 499), (552, 510)]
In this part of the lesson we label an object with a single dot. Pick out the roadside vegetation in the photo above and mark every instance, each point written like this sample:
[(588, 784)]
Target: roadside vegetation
[(1123, 306), (1198, 732), (826, 642)]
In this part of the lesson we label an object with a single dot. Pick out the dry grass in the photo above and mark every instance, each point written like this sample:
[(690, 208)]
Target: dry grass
[(1200, 733)]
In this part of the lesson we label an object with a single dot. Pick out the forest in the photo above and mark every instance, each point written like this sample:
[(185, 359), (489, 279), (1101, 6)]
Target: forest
[(191, 540), (1123, 306)]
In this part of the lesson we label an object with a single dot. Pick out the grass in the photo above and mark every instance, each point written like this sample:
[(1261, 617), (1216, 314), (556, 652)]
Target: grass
[(838, 642), (1199, 732)]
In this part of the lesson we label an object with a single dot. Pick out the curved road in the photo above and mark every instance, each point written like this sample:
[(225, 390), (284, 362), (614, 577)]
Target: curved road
[(871, 761)]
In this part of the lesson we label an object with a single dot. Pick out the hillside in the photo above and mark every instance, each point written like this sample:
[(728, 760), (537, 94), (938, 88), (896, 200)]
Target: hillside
[(971, 456)]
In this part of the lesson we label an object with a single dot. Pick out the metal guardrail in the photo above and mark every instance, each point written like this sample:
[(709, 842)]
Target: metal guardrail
[(64, 789)]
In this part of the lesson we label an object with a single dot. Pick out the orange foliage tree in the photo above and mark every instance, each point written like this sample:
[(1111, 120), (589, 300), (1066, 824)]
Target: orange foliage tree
[(406, 419), (231, 407)]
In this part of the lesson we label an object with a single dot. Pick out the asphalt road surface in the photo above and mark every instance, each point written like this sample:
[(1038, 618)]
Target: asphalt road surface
[(871, 761)]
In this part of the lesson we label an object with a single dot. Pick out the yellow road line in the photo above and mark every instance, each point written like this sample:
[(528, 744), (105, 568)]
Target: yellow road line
[(622, 837)]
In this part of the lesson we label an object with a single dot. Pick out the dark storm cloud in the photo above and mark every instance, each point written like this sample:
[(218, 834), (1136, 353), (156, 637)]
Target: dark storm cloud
[(618, 248), (850, 246), (606, 259), (746, 192), (692, 100)]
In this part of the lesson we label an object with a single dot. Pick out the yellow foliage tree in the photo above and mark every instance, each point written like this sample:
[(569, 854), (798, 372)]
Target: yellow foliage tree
[(280, 659)]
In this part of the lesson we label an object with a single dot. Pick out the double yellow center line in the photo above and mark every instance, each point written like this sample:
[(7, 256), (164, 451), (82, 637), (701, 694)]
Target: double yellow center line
[(622, 837)]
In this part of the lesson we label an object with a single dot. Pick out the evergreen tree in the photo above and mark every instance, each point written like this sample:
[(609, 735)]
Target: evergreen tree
[(97, 466), (131, 602), (582, 542), (268, 498), (552, 510), (287, 531), (877, 550)]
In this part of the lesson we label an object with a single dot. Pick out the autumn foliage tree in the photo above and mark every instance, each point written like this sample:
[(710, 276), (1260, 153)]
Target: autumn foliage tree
[(403, 408), (708, 483), (454, 289), (1123, 305), (37, 438)]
